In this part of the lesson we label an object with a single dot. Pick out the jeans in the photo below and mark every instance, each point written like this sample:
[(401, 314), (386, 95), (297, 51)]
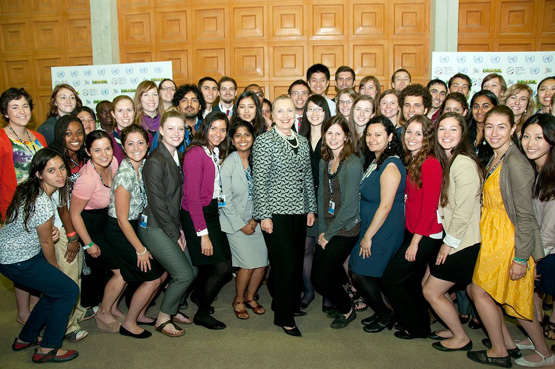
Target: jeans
[(59, 294)]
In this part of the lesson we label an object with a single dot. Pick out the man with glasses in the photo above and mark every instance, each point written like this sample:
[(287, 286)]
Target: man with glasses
[(299, 91), (257, 90)]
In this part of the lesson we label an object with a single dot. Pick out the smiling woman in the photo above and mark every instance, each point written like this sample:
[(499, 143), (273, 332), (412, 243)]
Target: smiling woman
[(63, 101)]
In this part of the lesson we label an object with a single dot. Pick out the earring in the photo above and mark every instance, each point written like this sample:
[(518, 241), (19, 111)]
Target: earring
[(389, 145)]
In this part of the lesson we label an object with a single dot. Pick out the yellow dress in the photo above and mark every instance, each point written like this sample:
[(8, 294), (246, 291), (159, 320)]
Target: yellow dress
[(497, 253)]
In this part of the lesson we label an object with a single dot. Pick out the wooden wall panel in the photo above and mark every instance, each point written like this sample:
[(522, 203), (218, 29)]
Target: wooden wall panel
[(38, 35), (506, 25), (272, 42)]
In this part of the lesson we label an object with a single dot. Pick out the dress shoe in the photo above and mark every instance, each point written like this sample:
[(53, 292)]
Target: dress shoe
[(194, 299), (125, 332), (546, 361), (209, 322), (379, 325), (369, 320), (483, 358), (341, 322), (514, 353), (327, 309), (440, 347), (295, 332), (405, 335), (300, 313)]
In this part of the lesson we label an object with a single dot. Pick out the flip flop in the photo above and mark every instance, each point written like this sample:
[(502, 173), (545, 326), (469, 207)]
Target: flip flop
[(160, 329), (188, 320)]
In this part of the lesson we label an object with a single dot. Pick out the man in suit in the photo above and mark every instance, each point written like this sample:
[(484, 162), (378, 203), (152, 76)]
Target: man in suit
[(228, 92), (299, 91)]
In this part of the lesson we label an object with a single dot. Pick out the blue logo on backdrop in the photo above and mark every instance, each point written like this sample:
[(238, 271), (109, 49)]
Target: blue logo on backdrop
[(134, 80), (158, 69), (88, 72), (129, 70), (101, 72), (535, 70), (104, 91), (74, 73), (115, 71), (76, 83), (495, 59), (463, 70), (547, 58), (144, 70), (461, 59), (478, 59), (512, 59), (530, 58), (61, 74), (444, 59)]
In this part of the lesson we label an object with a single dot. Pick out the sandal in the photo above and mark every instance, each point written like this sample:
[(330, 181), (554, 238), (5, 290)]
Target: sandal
[(18, 346), (240, 314), (257, 309), (53, 357), (360, 305), (186, 319), (549, 330), (161, 327)]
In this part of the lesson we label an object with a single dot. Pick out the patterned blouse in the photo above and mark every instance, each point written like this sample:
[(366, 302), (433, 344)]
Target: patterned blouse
[(23, 152), (16, 243), (127, 178)]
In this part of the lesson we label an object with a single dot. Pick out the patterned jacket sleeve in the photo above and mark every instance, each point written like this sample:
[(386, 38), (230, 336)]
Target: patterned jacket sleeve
[(262, 164)]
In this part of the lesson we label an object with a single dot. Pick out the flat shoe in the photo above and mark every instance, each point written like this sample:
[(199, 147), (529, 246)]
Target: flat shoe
[(514, 353), (472, 324), (341, 322), (369, 320), (77, 335), (546, 361), (464, 319), (295, 332), (483, 358), (436, 337), (143, 334), (160, 329), (300, 313), (51, 357), (526, 347), (152, 324), (187, 321), (440, 347), (18, 346), (403, 334)]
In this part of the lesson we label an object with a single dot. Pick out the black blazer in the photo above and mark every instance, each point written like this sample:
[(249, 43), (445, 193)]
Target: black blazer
[(164, 189)]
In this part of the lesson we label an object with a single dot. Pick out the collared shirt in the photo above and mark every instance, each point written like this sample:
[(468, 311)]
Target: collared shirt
[(126, 177), (227, 111)]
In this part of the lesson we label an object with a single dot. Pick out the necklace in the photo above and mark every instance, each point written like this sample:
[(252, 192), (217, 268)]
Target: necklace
[(100, 175), (289, 139), (496, 165), (23, 142)]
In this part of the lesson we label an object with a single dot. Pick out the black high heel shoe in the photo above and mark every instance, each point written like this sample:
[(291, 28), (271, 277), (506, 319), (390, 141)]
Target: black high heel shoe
[(379, 325)]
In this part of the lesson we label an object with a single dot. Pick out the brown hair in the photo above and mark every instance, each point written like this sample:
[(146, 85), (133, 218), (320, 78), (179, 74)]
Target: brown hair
[(367, 79), (515, 89), (53, 108), (414, 163), (348, 147), (143, 87)]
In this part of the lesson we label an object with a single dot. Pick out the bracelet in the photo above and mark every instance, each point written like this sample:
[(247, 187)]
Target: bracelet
[(142, 253), (520, 263), (73, 238), (520, 259), (88, 246), (71, 234)]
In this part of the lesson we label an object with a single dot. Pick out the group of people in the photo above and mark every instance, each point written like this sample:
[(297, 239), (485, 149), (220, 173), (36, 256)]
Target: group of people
[(410, 197)]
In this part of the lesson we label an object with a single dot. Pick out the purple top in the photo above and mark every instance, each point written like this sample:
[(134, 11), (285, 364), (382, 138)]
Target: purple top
[(199, 174)]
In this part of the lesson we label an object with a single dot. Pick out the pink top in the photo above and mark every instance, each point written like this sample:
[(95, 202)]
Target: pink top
[(89, 186), (422, 204), (199, 175)]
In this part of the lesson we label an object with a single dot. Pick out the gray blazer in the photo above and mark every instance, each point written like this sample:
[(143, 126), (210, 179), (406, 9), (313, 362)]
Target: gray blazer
[(348, 215), (236, 191), (164, 190), (515, 180)]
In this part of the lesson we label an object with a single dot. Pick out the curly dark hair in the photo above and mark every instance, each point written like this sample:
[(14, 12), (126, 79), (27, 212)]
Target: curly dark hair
[(59, 143), (184, 90), (10, 94), (394, 148), (416, 90), (27, 192)]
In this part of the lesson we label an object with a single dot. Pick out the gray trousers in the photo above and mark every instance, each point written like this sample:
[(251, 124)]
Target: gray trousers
[(173, 259)]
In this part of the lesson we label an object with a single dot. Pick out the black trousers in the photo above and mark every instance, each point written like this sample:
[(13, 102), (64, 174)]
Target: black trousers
[(328, 273), (286, 251), (402, 284)]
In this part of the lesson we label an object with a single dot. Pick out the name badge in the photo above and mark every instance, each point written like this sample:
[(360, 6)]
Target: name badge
[(143, 221), (221, 201), (331, 207)]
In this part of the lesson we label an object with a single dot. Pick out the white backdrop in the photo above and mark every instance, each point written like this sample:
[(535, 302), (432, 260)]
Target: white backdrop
[(515, 67), (95, 83)]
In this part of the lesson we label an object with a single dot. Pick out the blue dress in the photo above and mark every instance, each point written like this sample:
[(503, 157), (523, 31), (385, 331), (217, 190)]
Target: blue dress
[(389, 237)]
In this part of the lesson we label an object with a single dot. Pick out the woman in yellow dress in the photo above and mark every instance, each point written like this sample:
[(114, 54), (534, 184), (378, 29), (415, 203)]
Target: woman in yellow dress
[(504, 272)]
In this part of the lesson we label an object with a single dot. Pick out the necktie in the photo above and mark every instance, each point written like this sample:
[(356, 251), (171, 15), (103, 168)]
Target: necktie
[(227, 112), (299, 123)]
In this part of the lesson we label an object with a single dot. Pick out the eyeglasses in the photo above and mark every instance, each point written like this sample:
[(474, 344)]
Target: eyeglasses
[(345, 102), (315, 110), (299, 93), (259, 94), (172, 89)]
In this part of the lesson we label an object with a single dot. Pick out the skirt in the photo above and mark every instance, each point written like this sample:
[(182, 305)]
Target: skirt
[(218, 238), (458, 267), (95, 222), (128, 256)]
